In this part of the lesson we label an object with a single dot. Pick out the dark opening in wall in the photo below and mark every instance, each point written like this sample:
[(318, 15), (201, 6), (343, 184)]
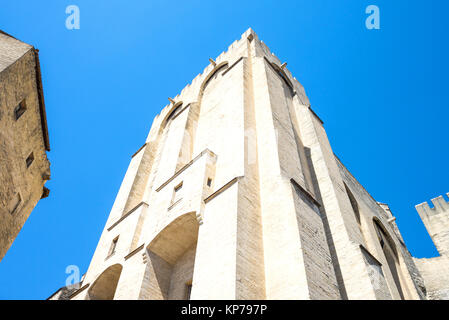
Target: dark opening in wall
[(176, 193), (113, 247), (30, 160), (20, 110)]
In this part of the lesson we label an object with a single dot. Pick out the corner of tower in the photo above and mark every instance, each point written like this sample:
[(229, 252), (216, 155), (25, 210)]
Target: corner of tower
[(230, 56), (440, 205), (249, 34), (262, 50), (436, 221)]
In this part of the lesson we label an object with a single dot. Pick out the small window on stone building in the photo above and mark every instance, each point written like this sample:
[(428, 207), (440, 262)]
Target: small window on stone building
[(14, 203), (20, 109), (113, 246), (188, 290), (30, 160), (209, 182), (176, 193)]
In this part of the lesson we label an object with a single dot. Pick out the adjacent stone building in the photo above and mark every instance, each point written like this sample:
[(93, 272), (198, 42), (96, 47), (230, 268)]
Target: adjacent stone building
[(435, 271), (237, 194), (23, 137)]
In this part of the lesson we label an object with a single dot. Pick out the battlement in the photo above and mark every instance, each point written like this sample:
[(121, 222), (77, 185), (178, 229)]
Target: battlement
[(440, 205), (436, 220), (234, 53)]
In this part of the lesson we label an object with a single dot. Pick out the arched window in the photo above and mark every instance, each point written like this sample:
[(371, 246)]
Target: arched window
[(391, 255), (214, 75), (280, 72), (174, 112)]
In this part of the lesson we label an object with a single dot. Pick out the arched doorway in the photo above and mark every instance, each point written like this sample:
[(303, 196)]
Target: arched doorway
[(171, 254), (104, 287)]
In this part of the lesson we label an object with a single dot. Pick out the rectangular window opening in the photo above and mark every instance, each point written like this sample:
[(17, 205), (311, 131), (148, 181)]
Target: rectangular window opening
[(209, 182), (113, 246), (176, 193), (30, 160), (20, 110)]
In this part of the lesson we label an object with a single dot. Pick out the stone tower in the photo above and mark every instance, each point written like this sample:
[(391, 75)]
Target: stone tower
[(24, 168), (435, 271), (236, 194)]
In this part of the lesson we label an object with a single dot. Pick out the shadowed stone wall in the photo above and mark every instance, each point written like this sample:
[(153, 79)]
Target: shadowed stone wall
[(23, 138)]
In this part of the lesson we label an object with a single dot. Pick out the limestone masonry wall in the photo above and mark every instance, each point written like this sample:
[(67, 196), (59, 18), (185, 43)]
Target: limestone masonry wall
[(23, 138), (435, 271), (237, 194)]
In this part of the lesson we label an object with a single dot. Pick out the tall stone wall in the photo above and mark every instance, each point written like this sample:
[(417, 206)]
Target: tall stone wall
[(372, 212), (23, 138), (435, 271), (236, 194)]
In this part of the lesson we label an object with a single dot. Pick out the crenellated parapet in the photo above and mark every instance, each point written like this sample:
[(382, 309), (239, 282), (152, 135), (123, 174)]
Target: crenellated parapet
[(436, 220), (435, 271), (440, 205)]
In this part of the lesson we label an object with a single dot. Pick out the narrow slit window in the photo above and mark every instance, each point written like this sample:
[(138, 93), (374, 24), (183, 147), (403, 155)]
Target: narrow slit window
[(177, 193), (20, 110), (209, 182), (30, 160), (113, 247)]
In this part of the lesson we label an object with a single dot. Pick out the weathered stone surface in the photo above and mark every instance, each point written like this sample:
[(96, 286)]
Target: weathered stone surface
[(435, 271), (237, 193), (23, 137)]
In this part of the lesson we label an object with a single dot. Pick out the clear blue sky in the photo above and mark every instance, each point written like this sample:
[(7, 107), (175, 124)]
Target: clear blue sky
[(383, 95)]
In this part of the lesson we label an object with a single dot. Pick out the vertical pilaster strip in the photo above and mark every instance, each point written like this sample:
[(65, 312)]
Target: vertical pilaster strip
[(285, 276), (352, 274), (250, 262)]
